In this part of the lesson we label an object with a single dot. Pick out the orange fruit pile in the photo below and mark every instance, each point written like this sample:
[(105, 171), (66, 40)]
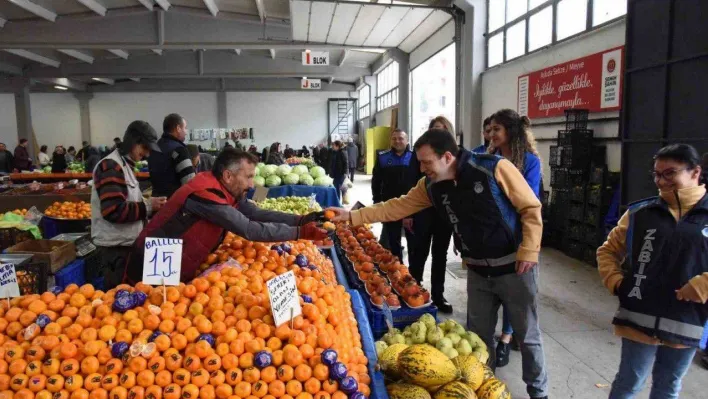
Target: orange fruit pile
[(69, 210), (21, 212), (204, 341)]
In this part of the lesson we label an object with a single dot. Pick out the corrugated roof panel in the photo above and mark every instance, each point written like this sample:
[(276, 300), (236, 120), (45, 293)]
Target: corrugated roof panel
[(431, 24), (365, 22), (407, 25), (300, 19), (344, 16), (387, 23), (321, 15)]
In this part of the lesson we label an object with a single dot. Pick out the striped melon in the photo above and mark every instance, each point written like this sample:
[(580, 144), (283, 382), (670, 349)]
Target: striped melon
[(488, 374), (493, 389), (388, 362), (455, 390), (472, 371), (406, 391), (426, 366)]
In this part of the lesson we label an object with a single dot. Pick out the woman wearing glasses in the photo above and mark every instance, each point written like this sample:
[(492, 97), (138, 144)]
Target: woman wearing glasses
[(663, 287)]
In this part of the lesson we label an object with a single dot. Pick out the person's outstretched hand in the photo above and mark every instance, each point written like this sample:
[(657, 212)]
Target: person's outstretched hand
[(340, 214), (317, 217), (310, 231)]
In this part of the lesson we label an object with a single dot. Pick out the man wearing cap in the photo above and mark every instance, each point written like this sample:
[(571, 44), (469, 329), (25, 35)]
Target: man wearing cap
[(202, 162), (118, 208)]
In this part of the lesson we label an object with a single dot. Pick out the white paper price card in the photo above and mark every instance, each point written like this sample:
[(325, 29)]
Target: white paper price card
[(284, 299), (8, 281), (163, 261)]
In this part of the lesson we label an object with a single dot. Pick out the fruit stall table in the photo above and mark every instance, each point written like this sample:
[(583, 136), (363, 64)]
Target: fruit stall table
[(53, 177), (19, 197), (326, 196)]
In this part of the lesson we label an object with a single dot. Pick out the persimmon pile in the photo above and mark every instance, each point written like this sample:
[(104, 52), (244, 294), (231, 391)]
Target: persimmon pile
[(213, 338), (69, 210)]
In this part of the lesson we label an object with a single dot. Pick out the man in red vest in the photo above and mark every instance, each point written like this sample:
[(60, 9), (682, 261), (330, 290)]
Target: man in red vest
[(203, 209)]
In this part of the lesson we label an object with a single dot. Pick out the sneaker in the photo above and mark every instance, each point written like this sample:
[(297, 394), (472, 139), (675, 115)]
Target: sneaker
[(502, 354)]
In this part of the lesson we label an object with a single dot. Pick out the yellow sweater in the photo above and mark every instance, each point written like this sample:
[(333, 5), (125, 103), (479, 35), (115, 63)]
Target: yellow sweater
[(612, 253), (510, 180)]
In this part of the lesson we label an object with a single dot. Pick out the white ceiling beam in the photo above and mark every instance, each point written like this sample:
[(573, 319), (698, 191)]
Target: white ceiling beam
[(78, 55), (211, 5), (35, 9), (104, 80), (157, 51), (272, 53), (34, 57), (344, 57), (2, 22), (94, 6), (164, 4), (237, 51), (120, 53), (135, 79), (147, 3), (261, 10)]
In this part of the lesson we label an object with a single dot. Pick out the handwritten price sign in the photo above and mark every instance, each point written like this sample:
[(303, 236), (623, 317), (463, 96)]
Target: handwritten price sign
[(284, 299), (8, 281), (163, 261)]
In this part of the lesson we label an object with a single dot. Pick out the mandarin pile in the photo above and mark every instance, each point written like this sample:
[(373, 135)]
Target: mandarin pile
[(69, 210), (21, 212), (213, 338)]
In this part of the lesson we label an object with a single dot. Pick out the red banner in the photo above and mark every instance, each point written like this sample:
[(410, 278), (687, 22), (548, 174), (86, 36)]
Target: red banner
[(592, 82)]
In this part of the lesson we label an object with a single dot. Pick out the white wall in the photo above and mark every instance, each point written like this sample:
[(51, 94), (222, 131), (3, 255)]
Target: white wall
[(111, 113), (56, 119), (293, 118), (8, 121), (499, 88)]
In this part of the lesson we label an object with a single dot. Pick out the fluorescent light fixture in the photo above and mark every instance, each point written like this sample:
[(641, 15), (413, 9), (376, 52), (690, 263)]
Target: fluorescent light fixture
[(60, 87)]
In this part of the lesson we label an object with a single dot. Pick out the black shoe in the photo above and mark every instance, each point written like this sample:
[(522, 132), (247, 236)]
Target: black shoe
[(502, 354), (515, 343), (442, 304)]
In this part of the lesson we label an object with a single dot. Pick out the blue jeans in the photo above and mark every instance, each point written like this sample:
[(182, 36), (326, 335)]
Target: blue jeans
[(667, 365), (506, 323)]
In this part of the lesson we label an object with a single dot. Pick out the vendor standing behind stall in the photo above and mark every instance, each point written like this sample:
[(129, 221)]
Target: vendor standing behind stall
[(170, 165), (200, 211), (118, 208)]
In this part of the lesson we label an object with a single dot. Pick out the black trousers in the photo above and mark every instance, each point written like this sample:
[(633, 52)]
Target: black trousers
[(429, 228), (351, 174), (113, 263), (392, 233)]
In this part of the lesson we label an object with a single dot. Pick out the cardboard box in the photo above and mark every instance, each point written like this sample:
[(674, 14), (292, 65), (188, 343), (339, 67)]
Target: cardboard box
[(54, 254)]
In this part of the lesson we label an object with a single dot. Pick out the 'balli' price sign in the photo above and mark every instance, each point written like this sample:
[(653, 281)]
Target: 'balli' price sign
[(163, 261), (284, 299), (8, 281)]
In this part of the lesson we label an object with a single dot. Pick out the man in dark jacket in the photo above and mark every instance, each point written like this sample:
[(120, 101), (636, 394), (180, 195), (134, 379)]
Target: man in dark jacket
[(6, 159), (325, 159), (339, 166), (22, 158), (171, 167), (353, 154), (393, 177)]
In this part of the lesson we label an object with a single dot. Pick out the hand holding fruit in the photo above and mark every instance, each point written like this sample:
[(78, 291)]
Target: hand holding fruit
[(311, 217), (338, 214), (310, 231)]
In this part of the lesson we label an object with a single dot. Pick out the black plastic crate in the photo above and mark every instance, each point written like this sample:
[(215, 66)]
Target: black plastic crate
[(592, 216), (578, 157), (567, 178), (576, 118), (576, 231), (590, 255), (93, 267), (574, 249), (577, 194), (597, 174), (12, 236), (554, 159), (576, 212), (32, 278), (581, 138)]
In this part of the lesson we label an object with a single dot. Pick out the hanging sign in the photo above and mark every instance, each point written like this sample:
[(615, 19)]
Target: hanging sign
[(284, 298), (592, 82), (315, 57), (311, 84), (162, 263), (8, 281)]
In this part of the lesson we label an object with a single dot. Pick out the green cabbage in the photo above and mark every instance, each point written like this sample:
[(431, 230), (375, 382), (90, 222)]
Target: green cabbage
[(268, 170), (283, 170), (323, 181), (317, 171), (272, 181), (300, 169), (259, 181), (307, 180), (291, 178)]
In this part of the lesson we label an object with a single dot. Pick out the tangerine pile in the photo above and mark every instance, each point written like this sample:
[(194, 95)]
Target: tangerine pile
[(213, 338), (69, 210), (21, 212)]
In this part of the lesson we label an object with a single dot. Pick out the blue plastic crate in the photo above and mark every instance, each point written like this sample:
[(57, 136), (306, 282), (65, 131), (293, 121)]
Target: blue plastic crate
[(378, 385), (402, 317), (73, 273), (99, 283)]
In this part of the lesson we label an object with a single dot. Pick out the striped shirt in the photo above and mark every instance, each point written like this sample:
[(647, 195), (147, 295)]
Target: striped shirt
[(112, 190)]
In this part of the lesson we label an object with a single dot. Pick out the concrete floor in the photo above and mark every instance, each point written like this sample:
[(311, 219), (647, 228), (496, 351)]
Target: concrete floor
[(582, 353)]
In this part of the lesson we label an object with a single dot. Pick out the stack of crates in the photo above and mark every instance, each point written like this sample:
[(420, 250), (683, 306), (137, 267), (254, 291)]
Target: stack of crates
[(581, 190)]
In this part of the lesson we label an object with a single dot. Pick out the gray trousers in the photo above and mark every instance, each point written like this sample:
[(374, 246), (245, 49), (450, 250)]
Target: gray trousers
[(518, 294)]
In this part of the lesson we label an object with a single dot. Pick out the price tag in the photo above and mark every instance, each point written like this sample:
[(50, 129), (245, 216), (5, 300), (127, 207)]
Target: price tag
[(163, 261), (260, 194), (284, 298), (8, 281), (388, 315)]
